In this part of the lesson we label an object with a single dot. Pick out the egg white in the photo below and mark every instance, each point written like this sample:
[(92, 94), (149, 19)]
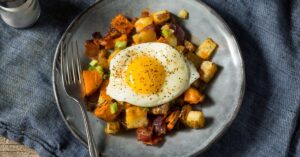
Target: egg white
[(180, 74)]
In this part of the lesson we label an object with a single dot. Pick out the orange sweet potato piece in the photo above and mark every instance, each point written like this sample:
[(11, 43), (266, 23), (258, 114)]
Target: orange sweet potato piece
[(122, 24), (91, 49), (193, 96), (92, 81), (172, 119), (103, 111), (103, 96)]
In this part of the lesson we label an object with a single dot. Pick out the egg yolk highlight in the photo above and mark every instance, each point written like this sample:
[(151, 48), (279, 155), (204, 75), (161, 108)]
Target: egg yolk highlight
[(145, 75)]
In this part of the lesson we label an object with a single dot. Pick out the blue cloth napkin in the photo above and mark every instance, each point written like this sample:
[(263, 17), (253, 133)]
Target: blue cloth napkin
[(268, 32)]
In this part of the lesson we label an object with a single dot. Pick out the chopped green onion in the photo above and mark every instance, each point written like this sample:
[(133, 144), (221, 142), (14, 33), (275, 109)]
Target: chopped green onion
[(99, 69), (146, 109), (113, 108), (93, 63), (91, 68), (167, 32), (121, 44)]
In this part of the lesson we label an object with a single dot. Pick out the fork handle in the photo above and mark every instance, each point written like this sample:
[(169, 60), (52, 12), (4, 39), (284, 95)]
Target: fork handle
[(90, 139)]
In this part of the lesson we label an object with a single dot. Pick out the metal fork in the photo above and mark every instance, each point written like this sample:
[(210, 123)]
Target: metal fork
[(73, 85)]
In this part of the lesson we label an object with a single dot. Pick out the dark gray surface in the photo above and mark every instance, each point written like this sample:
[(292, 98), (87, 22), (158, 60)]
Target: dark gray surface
[(220, 110)]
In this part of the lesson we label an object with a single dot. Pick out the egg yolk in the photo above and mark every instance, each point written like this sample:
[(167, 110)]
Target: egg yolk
[(145, 75)]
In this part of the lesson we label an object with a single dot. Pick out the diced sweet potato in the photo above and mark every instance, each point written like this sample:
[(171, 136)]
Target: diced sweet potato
[(122, 24), (91, 49), (172, 119), (136, 117), (92, 81), (144, 36), (103, 111), (160, 17), (195, 119), (112, 127), (207, 71), (206, 49), (193, 96), (103, 97), (141, 23), (161, 40)]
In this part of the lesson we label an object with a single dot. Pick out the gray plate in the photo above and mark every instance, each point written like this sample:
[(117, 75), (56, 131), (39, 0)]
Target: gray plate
[(225, 92)]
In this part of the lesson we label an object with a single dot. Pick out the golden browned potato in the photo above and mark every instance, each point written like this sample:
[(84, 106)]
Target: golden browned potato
[(195, 119), (161, 110), (121, 24), (184, 112), (136, 117), (193, 96), (183, 14), (143, 22), (207, 71), (160, 17), (144, 36), (196, 60), (206, 49), (112, 127)]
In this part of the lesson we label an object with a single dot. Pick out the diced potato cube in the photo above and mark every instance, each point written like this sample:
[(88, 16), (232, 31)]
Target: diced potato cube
[(184, 112), (160, 17), (112, 127), (112, 55), (136, 117), (121, 24), (92, 80), (144, 36), (141, 23), (193, 96), (195, 119), (183, 14), (206, 49), (207, 70)]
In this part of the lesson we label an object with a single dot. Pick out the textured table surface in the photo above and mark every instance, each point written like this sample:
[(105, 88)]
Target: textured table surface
[(9, 148)]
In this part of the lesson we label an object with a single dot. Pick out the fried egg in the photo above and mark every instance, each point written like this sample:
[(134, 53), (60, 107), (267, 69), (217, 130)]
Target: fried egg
[(149, 74)]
